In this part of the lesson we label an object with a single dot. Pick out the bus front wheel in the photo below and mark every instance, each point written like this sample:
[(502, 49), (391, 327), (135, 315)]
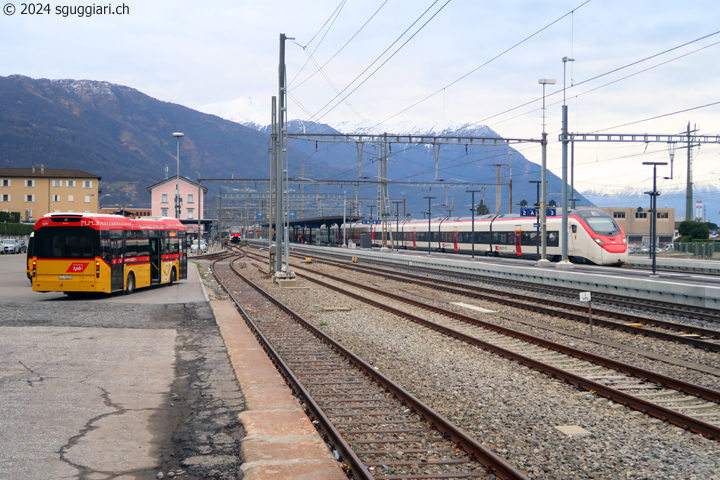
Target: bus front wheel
[(130, 285), (173, 276)]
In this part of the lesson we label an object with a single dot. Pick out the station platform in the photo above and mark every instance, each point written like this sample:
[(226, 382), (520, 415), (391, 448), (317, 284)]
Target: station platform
[(280, 442)]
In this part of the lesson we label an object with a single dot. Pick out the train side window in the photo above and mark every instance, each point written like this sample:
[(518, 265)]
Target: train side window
[(574, 229)]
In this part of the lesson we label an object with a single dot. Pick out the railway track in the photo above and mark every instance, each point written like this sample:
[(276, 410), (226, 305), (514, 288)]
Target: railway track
[(681, 403), (698, 337), (379, 430), (650, 306)]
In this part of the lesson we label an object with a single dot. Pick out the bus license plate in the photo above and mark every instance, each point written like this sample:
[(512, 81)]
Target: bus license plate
[(65, 277)]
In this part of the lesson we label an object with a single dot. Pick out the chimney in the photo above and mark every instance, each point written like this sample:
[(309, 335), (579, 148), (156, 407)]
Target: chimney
[(33, 170), (42, 169)]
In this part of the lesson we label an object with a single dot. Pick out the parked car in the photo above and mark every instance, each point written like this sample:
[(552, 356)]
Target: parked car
[(23, 246), (200, 247), (10, 245)]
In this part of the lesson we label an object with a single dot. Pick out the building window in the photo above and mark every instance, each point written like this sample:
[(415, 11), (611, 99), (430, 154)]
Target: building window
[(164, 212), (56, 198), (69, 183), (71, 198), (618, 214), (87, 184), (663, 215), (57, 183), (164, 198), (29, 183), (4, 198), (640, 214), (5, 182), (191, 213), (87, 198), (191, 198), (29, 198)]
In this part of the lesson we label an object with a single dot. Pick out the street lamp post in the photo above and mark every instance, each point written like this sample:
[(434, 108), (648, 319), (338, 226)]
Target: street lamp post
[(178, 200), (429, 199), (543, 214), (653, 211)]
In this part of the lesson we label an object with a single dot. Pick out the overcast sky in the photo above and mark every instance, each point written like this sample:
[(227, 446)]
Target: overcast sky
[(463, 61)]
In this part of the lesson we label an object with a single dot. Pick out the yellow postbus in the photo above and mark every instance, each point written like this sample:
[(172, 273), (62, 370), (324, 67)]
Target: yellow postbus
[(87, 252)]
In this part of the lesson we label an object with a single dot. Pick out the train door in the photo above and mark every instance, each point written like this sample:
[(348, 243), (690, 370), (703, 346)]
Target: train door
[(455, 240), (518, 243), (414, 240), (572, 239)]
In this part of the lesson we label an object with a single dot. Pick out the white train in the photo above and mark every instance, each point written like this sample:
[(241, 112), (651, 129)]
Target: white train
[(593, 236)]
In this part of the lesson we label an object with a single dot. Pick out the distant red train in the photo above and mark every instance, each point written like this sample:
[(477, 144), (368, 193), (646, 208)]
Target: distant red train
[(235, 234)]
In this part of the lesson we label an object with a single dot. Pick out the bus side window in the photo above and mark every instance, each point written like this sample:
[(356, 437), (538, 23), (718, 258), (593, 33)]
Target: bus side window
[(106, 248)]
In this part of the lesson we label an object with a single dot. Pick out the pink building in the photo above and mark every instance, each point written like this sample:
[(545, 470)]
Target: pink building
[(163, 199)]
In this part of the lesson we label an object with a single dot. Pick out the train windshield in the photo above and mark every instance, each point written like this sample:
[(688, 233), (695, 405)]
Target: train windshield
[(603, 226)]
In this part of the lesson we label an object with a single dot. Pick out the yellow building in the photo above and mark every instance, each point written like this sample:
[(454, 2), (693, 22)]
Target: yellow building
[(33, 192)]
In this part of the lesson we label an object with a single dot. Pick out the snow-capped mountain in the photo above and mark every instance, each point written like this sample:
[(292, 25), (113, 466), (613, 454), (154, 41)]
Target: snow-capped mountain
[(246, 111), (254, 114)]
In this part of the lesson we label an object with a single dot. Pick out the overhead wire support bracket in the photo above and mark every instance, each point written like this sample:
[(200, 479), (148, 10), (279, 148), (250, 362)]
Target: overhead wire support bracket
[(410, 139)]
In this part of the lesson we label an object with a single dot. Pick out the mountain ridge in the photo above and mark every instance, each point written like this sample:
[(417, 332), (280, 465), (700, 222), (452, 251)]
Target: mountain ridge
[(125, 136)]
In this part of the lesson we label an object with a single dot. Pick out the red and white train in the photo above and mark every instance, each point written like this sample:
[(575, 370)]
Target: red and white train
[(594, 237), (235, 234)]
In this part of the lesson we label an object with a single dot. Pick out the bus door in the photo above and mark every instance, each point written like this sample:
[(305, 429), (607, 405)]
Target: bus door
[(518, 242), (155, 260), (183, 257), (117, 267)]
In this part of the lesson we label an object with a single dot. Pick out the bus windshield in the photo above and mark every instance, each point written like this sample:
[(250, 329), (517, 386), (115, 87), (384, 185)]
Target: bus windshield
[(603, 226), (66, 242)]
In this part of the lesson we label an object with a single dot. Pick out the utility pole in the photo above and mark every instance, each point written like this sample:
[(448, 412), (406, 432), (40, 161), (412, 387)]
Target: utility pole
[(472, 224), (653, 211), (689, 196), (543, 202), (565, 263), (429, 199), (537, 214), (281, 233), (498, 188)]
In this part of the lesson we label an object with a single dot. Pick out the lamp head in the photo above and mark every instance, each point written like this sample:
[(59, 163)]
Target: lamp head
[(178, 134), (547, 81)]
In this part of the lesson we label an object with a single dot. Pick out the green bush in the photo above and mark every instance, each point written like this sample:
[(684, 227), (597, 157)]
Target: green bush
[(10, 217), (15, 229)]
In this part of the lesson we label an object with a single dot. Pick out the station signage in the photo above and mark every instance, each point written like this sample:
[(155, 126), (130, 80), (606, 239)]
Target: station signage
[(533, 212)]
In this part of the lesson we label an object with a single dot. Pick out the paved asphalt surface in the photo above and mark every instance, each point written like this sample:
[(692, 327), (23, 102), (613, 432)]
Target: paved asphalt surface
[(114, 387)]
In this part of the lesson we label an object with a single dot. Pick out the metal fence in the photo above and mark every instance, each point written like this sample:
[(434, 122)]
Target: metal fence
[(708, 250)]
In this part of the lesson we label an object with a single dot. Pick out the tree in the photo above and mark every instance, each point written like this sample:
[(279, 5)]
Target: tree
[(690, 230), (482, 209)]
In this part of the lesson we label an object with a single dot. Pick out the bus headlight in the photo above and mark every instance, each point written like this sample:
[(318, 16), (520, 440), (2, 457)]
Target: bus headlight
[(598, 241)]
